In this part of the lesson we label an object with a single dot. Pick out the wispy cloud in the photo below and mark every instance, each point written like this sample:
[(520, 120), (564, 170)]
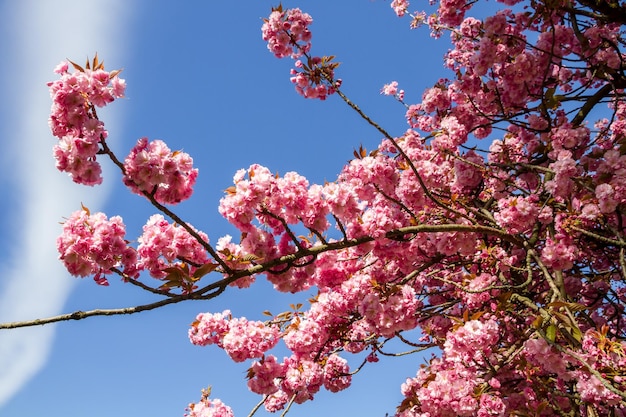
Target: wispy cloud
[(32, 282)]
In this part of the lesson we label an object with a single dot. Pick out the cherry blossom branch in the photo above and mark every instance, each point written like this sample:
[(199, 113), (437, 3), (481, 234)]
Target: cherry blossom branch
[(393, 234), (214, 289), (556, 292), (618, 243), (591, 103), (401, 151), (593, 371), (163, 209)]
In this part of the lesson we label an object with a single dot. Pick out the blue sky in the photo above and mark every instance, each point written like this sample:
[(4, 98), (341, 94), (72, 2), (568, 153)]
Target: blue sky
[(199, 77)]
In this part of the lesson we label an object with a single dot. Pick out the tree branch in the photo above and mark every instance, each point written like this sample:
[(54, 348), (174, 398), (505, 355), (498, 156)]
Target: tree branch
[(79, 315), (214, 289)]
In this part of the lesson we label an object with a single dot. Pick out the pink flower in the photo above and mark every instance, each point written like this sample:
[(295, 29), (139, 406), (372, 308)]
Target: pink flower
[(468, 175), (162, 245), (491, 405), (558, 255), (315, 80), (303, 378), (209, 329), (208, 408), (517, 214), (264, 376), (606, 198), (249, 339), (152, 168), (240, 338), (400, 7), (473, 342), (306, 336), (287, 32), (92, 244), (74, 122), (395, 313), (444, 389), (336, 374), (391, 89)]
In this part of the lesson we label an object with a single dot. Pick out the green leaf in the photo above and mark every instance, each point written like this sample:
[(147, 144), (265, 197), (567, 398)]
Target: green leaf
[(551, 333)]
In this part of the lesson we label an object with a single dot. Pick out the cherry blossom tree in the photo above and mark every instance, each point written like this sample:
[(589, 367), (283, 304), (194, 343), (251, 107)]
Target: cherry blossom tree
[(492, 231)]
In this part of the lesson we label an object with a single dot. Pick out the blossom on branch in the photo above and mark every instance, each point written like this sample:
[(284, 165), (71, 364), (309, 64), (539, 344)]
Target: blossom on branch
[(73, 119), (153, 169), (492, 229), (287, 32), (91, 244)]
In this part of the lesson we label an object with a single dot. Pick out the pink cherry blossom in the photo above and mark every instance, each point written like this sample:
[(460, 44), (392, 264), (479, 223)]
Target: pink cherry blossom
[(336, 374), (153, 169), (400, 7), (249, 339), (73, 119), (287, 32), (264, 375), (91, 244), (208, 408), (240, 338), (163, 245), (316, 78), (303, 378), (391, 89)]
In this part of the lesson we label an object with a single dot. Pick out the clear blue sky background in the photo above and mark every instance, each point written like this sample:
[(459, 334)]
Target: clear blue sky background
[(199, 77)]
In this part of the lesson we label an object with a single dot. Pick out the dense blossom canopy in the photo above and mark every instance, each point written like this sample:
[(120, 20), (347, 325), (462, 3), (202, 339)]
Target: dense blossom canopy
[(493, 229)]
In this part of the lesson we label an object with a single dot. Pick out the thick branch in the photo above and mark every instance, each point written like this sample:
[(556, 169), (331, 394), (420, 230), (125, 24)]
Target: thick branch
[(591, 103), (609, 10)]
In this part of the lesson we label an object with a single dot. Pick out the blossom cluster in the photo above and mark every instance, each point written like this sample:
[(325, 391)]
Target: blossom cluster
[(448, 386), (207, 407), (400, 7), (162, 245), (240, 338), (153, 169), (299, 376), (287, 35), (287, 32), (73, 118), (316, 78), (391, 89), (91, 244)]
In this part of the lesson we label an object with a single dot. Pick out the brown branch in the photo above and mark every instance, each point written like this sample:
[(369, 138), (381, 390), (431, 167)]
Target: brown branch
[(401, 151), (609, 11), (79, 315), (591, 103), (216, 288), (618, 243)]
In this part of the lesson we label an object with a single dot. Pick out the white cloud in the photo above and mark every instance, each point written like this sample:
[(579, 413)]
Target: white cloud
[(33, 284)]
